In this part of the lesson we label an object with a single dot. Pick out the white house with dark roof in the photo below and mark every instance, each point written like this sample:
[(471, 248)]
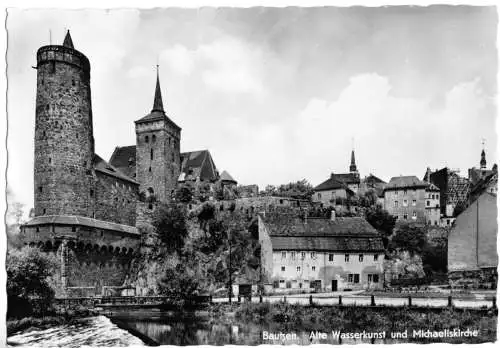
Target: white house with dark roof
[(343, 253)]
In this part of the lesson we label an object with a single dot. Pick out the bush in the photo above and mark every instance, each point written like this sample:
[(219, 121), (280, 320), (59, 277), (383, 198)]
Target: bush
[(28, 289), (170, 223)]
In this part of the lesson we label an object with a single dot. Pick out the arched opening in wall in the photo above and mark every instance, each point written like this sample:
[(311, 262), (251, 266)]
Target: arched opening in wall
[(95, 248), (130, 251), (146, 139), (57, 244), (80, 246), (71, 245), (153, 138), (152, 154), (110, 249), (104, 250)]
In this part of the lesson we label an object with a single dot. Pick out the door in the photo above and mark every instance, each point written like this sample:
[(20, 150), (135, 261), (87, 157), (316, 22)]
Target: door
[(334, 285)]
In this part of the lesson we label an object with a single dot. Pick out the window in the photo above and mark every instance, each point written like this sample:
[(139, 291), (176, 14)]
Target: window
[(360, 257), (319, 195), (356, 278), (152, 154), (276, 284), (72, 82), (149, 169), (395, 204), (150, 206), (44, 211), (405, 192), (405, 216), (281, 201), (91, 193), (428, 203), (40, 189), (370, 278), (293, 255), (350, 278), (38, 229), (375, 257), (313, 268), (153, 138), (432, 196), (73, 229), (146, 139), (282, 268), (298, 268), (414, 215), (282, 281), (283, 254), (405, 203), (313, 255), (375, 278), (346, 257), (50, 160), (330, 257), (288, 285), (414, 202), (395, 193), (302, 255)]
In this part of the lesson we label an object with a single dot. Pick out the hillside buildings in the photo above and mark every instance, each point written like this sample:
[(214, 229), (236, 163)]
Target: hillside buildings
[(412, 200)]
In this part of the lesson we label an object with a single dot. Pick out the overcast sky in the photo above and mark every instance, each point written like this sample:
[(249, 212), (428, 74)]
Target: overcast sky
[(276, 94)]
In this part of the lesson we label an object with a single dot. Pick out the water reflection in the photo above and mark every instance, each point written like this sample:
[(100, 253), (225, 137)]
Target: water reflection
[(182, 331)]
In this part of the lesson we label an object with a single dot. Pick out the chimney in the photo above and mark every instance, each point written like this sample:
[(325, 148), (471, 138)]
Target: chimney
[(332, 216)]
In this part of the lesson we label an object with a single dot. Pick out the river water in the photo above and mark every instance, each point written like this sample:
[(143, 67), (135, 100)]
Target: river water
[(95, 332)]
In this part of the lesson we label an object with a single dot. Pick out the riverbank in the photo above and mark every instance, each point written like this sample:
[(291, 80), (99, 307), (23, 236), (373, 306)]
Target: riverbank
[(384, 319)]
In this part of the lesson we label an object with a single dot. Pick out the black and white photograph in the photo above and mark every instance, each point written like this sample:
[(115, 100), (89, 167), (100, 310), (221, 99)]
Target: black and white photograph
[(259, 175)]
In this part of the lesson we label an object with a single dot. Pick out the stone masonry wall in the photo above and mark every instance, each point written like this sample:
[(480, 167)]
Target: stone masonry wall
[(115, 200), (64, 144)]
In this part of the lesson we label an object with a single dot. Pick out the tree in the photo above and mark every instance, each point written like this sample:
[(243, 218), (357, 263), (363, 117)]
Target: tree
[(411, 238), (13, 220), (184, 194), (369, 199), (180, 284), (170, 223), (382, 221), (28, 289)]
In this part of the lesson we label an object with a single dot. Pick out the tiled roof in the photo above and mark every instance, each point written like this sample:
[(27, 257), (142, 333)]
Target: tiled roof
[(106, 168), (225, 176), (123, 158), (405, 182), (341, 244), (372, 179), (198, 164), (286, 225), (331, 184), (193, 164), (347, 178), (80, 220)]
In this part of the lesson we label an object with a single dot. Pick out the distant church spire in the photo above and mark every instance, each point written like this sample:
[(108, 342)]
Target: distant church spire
[(158, 102), (352, 167), (482, 163), (67, 41)]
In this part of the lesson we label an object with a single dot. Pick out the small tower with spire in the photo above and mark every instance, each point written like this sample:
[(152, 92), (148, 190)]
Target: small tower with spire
[(482, 163), (352, 167), (157, 151)]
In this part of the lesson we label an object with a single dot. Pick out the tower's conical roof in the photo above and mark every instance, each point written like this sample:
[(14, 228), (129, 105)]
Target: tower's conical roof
[(67, 41), (158, 101), (352, 167)]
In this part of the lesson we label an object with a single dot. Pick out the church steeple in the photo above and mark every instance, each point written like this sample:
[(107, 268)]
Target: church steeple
[(158, 101), (352, 167), (482, 163), (67, 41)]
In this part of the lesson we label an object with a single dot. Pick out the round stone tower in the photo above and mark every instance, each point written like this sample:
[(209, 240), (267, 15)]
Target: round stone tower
[(64, 142)]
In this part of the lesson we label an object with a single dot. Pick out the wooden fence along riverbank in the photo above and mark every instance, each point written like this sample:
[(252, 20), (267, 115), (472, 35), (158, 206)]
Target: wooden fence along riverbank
[(356, 301)]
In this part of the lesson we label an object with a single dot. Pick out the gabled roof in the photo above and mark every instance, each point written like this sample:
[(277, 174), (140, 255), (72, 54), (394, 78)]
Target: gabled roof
[(410, 181), (106, 168), (372, 179), (198, 164), (225, 176), (331, 184), (347, 178), (344, 234), (124, 158)]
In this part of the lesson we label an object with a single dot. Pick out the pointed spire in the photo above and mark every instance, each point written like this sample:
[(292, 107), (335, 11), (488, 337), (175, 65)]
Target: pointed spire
[(352, 167), (482, 163), (67, 41), (158, 102)]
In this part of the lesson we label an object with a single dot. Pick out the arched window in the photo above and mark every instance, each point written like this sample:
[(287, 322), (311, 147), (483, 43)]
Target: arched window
[(152, 154), (146, 139), (153, 138)]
